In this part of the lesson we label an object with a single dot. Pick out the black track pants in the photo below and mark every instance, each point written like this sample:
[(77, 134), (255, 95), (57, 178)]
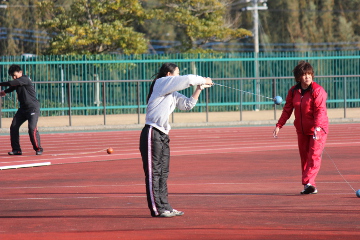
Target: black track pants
[(155, 152), (20, 117)]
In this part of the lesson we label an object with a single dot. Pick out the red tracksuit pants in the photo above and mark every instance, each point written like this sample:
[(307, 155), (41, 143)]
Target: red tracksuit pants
[(310, 153)]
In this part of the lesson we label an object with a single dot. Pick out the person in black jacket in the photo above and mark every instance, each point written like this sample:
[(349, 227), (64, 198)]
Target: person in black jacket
[(29, 109)]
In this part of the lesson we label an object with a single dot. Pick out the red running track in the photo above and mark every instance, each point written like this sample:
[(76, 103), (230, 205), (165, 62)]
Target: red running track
[(232, 183)]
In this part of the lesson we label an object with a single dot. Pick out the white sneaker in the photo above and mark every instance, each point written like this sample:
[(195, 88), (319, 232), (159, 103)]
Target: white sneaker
[(177, 213), (167, 214)]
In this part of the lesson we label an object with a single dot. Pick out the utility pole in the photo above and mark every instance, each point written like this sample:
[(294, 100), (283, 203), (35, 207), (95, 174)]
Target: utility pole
[(255, 8)]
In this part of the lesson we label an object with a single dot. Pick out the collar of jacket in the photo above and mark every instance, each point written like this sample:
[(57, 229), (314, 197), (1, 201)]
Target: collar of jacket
[(298, 86)]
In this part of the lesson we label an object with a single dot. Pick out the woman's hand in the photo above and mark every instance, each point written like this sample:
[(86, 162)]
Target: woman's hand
[(317, 133), (208, 81), (276, 131)]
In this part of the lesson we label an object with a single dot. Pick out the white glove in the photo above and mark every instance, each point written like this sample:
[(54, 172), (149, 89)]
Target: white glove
[(202, 86)]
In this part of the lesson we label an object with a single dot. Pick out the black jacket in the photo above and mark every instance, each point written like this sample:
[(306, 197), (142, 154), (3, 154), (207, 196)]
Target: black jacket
[(25, 91)]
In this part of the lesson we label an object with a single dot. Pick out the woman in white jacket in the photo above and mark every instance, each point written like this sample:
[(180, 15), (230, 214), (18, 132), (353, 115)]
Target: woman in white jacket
[(162, 100)]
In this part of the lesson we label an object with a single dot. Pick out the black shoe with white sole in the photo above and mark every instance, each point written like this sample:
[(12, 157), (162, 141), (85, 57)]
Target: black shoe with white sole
[(15, 153), (309, 189), (39, 152)]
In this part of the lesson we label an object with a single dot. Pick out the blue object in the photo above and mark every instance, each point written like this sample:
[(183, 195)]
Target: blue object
[(277, 100), (358, 193)]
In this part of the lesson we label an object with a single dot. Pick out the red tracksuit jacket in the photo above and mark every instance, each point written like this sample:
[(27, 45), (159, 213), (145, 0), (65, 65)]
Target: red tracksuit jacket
[(310, 109)]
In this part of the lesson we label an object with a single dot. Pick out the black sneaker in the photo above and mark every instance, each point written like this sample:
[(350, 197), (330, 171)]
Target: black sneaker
[(309, 189), (39, 152), (15, 153)]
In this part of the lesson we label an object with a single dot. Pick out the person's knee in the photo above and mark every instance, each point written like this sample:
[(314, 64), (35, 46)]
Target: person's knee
[(14, 127), (32, 130)]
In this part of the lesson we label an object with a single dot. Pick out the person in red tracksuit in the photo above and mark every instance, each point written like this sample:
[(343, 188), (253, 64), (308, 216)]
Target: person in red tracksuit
[(308, 99)]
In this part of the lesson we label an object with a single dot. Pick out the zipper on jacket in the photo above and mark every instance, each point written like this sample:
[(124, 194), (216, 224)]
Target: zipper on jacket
[(302, 127)]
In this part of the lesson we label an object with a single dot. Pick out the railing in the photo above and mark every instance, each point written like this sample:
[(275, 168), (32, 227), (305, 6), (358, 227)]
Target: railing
[(343, 92)]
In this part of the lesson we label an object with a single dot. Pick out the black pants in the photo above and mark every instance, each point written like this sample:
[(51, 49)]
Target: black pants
[(32, 116), (155, 152)]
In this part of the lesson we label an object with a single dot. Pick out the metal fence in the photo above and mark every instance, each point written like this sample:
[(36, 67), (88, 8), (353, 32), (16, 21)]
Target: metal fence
[(217, 65), (343, 92), (118, 84)]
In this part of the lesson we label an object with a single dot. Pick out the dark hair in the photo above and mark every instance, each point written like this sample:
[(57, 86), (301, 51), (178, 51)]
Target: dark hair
[(163, 71), (14, 68), (301, 69)]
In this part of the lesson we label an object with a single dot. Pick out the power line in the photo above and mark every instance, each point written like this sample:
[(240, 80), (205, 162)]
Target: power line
[(311, 10)]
